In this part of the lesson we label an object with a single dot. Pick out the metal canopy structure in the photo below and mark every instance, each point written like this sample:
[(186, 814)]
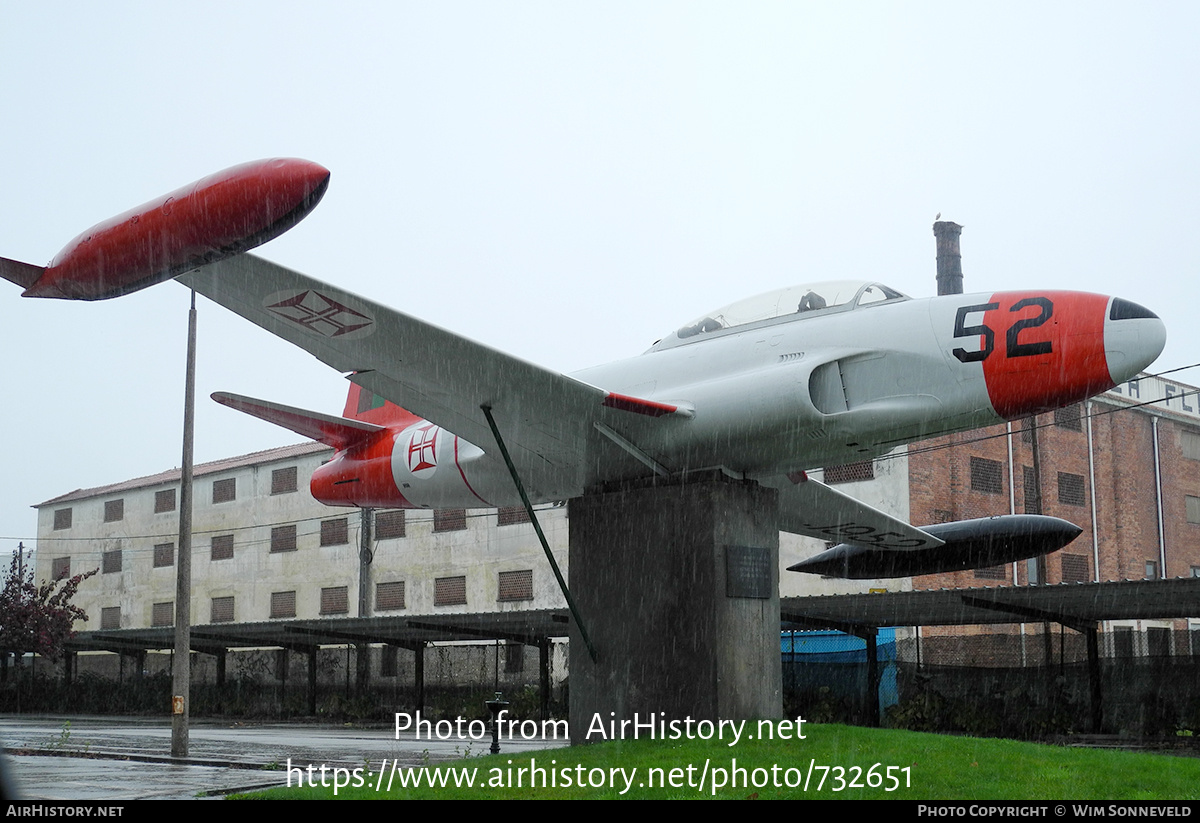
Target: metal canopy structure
[(1070, 604)]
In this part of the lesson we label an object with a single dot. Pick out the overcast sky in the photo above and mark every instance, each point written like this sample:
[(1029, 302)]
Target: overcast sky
[(567, 181)]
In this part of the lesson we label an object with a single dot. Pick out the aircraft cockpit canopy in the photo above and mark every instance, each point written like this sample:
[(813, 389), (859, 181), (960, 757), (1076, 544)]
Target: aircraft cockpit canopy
[(794, 302)]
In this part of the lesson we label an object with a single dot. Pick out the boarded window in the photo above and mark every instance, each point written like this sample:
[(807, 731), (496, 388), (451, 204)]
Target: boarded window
[(450, 591), (516, 585), (163, 614), (335, 600), (1070, 489), (283, 539), (449, 520), (1033, 498), (1069, 418), (389, 525), (1190, 443), (335, 532), (222, 547), (283, 480), (111, 562), (224, 490), (60, 567), (1074, 568), (1193, 508), (114, 510), (164, 501), (62, 519), (283, 604), (388, 662), (850, 473), (222, 610), (110, 617), (987, 476), (164, 555), (511, 515), (992, 573), (389, 596)]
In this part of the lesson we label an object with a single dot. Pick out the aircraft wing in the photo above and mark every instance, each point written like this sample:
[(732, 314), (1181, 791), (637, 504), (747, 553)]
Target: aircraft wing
[(545, 417), (811, 508)]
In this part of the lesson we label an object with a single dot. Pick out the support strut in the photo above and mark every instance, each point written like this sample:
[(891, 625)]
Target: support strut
[(537, 527)]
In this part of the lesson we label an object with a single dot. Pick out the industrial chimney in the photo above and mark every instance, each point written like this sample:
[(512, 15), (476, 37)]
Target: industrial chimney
[(949, 258)]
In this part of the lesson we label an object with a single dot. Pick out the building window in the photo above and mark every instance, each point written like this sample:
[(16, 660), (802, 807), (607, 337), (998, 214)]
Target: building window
[(389, 662), (283, 604), (164, 501), (1189, 441), (514, 657), (222, 547), (389, 596), (1193, 509), (1070, 489), (164, 555), (850, 473), (110, 617), (450, 591), (1122, 642), (60, 567), (1070, 417), (389, 525), (987, 476), (992, 573), (222, 610), (283, 539), (1151, 569), (1028, 426), (335, 532), (1158, 641), (1195, 571), (516, 585), (224, 490), (111, 562), (449, 520), (283, 480), (62, 519), (1033, 497), (511, 515), (114, 510), (163, 614), (1074, 568), (335, 600)]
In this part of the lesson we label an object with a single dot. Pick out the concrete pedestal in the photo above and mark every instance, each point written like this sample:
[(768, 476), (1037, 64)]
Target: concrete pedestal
[(679, 588)]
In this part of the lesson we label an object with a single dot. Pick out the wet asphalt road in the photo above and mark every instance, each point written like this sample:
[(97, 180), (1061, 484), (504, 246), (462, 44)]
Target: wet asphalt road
[(49, 760)]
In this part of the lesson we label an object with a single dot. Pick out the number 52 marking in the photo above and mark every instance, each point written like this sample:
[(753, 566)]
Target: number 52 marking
[(1013, 345)]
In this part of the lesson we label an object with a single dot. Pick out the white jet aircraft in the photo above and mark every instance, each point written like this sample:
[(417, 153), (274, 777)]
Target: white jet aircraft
[(762, 389)]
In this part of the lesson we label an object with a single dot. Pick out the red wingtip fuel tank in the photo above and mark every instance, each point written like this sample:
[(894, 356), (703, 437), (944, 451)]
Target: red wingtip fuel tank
[(224, 214)]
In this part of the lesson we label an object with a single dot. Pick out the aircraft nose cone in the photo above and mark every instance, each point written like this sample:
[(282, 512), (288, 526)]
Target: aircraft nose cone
[(1134, 337)]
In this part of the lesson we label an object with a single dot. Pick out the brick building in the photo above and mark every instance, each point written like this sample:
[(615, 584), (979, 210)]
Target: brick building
[(1127, 473)]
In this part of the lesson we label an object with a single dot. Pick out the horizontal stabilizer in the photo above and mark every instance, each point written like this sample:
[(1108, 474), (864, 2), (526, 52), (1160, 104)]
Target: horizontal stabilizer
[(339, 432), (968, 544), (811, 508), (23, 274)]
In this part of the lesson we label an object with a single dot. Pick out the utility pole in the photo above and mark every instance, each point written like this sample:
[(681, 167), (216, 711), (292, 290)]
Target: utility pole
[(181, 679)]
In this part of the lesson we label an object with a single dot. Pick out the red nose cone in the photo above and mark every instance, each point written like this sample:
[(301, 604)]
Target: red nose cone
[(224, 214)]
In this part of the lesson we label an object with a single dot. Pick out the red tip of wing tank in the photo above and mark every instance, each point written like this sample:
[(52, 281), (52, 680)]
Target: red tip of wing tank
[(224, 214)]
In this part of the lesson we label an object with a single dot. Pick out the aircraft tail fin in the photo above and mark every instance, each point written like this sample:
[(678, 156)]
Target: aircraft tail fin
[(339, 432), (23, 274), (368, 407)]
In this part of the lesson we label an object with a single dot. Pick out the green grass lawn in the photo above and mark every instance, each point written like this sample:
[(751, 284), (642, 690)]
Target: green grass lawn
[(928, 767)]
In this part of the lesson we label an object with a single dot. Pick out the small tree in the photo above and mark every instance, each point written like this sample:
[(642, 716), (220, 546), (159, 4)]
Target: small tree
[(38, 618)]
